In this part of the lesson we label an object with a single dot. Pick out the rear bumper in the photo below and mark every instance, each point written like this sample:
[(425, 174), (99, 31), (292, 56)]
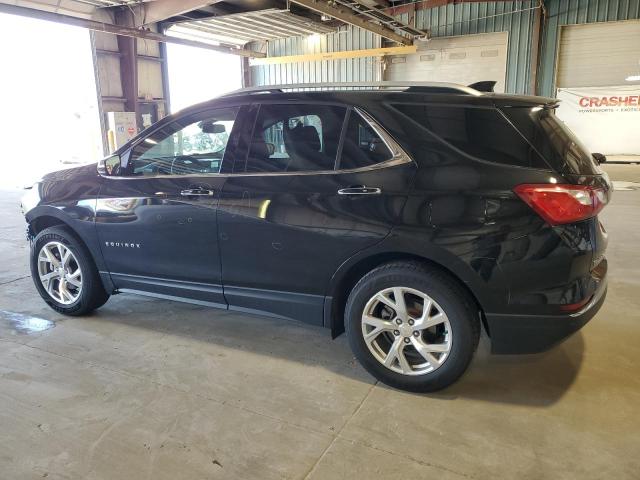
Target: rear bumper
[(518, 334)]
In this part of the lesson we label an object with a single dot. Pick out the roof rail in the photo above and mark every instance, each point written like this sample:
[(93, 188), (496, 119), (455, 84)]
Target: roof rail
[(426, 87)]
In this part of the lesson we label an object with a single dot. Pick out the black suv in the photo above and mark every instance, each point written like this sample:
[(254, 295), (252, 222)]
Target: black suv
[(408, 216)]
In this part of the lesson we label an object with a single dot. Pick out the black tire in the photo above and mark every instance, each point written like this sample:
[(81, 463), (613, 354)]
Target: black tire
[(92, 294), (460, 309)]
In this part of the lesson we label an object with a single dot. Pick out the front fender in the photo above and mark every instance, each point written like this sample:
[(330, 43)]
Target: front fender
[(68, 203)]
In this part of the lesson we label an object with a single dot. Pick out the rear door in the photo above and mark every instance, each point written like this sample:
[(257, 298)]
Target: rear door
[(156, 219), (318, 183)]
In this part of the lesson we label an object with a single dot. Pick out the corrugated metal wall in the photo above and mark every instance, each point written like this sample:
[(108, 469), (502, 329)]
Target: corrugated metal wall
[(571, 12), (487, 17), (347, 70), (515, 17)]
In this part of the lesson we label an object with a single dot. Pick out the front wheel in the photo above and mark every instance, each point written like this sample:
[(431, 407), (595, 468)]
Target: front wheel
[(64, 273), (411, 327)]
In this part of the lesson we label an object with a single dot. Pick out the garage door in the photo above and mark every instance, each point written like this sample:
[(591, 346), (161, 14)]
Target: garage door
[(464, 59), (598, 102), (598, 54)]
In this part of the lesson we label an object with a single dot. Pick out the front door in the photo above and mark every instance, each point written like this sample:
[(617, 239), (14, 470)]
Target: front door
[(303, 202), (156, 220)]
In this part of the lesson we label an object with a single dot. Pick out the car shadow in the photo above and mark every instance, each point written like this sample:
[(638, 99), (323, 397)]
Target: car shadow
[(534, 380), (255, 334), (538, 380)]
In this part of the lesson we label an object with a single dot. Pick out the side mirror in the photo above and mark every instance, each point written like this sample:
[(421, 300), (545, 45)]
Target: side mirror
[(210, 127), (599, 158), (109, 166)]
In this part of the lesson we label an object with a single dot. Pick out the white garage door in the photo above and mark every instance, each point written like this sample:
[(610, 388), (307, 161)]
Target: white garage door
[(599, 54), (464, 59), (598, 102)]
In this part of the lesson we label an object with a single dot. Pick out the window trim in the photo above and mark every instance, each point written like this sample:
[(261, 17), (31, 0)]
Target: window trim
[(386, 138), (399, 157)]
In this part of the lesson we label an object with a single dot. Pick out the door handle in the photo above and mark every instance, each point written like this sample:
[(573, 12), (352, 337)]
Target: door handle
[(360, 190), (190, 192)]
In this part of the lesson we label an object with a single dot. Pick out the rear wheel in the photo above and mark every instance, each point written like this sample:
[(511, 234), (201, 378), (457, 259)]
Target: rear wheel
[(411, 327), (64, 273)]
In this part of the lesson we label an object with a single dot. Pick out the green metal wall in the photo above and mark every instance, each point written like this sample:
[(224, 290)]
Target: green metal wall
[(346, 70), (571, 12), (515, 17)]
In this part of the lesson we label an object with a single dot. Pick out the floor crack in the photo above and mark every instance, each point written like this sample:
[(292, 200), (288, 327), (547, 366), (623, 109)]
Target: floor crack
[(15, 280), (337, 434)]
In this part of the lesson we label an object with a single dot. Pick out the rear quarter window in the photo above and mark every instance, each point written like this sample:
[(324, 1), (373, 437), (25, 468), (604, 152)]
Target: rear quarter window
[(553, 139), (482, 133)]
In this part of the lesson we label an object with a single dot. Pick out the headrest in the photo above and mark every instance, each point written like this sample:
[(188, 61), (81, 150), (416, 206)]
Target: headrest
[(259, 149), (303, 136)]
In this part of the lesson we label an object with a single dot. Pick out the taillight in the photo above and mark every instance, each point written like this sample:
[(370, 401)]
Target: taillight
[(558, 204)]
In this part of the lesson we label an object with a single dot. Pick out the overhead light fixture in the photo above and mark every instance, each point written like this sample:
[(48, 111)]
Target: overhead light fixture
[(325, 18), (314, 38)]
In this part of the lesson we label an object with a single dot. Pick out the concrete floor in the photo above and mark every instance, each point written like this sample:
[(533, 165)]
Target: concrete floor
[(154, 389)]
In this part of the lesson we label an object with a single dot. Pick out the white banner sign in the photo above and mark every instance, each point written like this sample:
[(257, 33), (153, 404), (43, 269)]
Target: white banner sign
[(605, 119)]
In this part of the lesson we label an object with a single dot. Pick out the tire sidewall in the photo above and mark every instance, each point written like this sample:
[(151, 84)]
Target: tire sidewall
[(84, 262), (464, 339)]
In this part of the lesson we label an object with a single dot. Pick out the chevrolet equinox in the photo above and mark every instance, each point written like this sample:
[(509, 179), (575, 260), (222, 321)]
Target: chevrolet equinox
[(408, 215)]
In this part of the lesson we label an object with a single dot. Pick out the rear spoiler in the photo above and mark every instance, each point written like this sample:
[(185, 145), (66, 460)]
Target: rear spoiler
[(484, 86)]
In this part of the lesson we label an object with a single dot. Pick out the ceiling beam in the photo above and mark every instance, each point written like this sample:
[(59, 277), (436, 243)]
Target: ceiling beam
[(120, 30), (315, 57), (346, 15), (380, 3), (159, 10), (379, 16)]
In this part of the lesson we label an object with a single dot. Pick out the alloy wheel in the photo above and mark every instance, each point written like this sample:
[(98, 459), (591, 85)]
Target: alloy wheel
[(60, 272), (406, 331)]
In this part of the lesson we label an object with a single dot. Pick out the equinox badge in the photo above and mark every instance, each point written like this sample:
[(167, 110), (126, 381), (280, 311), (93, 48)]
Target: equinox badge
[(122, 244)]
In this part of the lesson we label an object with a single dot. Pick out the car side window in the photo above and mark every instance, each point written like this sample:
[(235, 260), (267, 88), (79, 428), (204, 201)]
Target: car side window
[(195, 144), (362, 146), (479, 132), (295, 138)]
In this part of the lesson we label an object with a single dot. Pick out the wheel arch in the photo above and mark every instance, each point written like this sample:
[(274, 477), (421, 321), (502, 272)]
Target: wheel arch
[(45, 216), (43, 222), (37, 221), (348, 276)]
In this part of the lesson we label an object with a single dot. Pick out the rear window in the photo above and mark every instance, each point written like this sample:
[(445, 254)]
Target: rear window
[(483, 133), (553, 139)]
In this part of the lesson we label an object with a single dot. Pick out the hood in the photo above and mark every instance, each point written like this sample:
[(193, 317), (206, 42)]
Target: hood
[(81, 171)]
